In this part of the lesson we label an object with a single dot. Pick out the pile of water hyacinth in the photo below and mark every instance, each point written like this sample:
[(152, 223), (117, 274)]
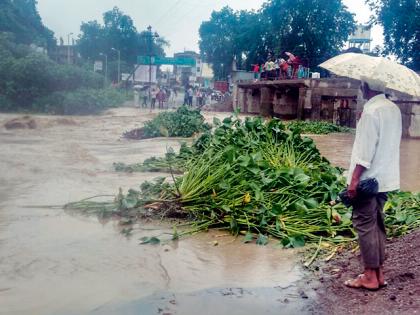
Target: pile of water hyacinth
[(257, 178)]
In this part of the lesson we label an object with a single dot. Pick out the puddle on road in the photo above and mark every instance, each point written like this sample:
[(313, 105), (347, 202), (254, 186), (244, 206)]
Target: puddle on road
[(55, 263)]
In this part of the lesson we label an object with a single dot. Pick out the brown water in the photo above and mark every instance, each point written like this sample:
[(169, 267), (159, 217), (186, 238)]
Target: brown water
[(55, 263), (337, 148), (52, 262)]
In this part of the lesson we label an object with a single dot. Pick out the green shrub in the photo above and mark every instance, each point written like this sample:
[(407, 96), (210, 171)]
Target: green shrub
[(79, 102), (27, 76)]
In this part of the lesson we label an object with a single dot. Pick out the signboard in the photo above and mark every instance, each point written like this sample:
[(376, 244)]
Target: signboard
[(362, 34), (158, 61), (98, 65), (125, 76)]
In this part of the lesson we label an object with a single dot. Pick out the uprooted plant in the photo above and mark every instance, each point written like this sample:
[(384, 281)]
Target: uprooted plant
[(259, 179), (316, 127), (183, 122)]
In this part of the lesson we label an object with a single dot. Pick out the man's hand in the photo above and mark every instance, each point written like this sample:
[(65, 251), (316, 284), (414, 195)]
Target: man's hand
[(355, 179), (352, 189)]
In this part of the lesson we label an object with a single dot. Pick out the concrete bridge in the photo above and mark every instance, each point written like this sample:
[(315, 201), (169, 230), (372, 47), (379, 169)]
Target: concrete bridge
[(317, 99)]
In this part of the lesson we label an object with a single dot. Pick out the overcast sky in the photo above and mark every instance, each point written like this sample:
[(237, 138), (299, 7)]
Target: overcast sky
[(177, 20)]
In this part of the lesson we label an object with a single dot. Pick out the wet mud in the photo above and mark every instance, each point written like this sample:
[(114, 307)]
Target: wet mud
[(400, 297)]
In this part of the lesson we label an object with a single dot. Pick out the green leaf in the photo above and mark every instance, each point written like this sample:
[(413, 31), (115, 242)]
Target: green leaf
[(302, 178), (216, 121), (277, 209), (129, 202), (298, 241), (150, 240), (401, 216), (244, 160), (248, 238), (311, 203), (226, 208), (293, 241), (262, 240)]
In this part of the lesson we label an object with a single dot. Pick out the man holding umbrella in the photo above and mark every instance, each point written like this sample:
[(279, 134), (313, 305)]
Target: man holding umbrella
[(375, 155)]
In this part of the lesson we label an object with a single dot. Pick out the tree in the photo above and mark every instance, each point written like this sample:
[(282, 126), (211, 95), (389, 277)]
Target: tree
[(118, 31), (313, 29), (217, 40), (401, 22), (21, 18)]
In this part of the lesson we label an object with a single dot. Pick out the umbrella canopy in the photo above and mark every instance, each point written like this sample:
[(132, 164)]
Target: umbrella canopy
[(392, 74)]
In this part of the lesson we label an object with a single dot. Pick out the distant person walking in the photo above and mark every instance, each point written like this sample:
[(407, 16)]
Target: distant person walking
[(190, 96), (161, 98), (143, 97), (186, 96), (154, 92)]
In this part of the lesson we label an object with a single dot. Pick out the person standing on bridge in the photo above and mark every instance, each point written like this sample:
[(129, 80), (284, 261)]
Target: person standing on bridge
[(376, 154)]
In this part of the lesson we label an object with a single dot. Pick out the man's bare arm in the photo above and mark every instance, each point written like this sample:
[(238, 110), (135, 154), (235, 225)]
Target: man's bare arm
[(355, 179)]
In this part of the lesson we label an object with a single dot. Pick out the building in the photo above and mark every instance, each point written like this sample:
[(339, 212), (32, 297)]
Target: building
[(200, 74), (65, 54), (206, 77), (187, 75), (361, 38)]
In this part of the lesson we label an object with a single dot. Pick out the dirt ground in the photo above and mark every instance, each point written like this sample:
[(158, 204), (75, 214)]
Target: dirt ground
[(402, 272)]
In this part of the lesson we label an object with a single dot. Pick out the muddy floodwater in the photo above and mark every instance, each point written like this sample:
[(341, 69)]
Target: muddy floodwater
[(337, 149), (53, 262)]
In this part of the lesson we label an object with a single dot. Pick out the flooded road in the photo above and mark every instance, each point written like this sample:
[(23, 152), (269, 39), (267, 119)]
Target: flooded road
[(52, 262)]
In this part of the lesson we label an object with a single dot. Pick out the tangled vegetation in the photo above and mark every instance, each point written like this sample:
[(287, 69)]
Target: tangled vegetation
[(316, 127), (183, 122), (258, 179)]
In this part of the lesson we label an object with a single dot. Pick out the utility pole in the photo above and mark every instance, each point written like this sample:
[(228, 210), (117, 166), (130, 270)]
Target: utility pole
[(106, 68), (119, 64), (68, 47), (151, 39)]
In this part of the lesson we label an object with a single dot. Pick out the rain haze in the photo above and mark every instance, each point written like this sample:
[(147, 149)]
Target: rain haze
[(176, 20)]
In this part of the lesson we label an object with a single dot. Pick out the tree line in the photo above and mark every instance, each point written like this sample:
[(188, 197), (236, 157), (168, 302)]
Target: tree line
[(32, 81), (313, 29)]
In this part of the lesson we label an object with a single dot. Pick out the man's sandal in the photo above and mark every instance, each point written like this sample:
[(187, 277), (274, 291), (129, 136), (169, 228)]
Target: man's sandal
[(358, 284)]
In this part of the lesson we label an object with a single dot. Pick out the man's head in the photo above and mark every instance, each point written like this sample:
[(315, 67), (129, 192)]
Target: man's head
[(371, 87)]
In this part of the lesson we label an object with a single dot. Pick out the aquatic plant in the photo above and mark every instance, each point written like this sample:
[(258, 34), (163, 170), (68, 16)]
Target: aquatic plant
[(183, 122), (259, 179)]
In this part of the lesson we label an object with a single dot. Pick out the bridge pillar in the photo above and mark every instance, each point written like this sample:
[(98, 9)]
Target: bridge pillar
[(266, 102)]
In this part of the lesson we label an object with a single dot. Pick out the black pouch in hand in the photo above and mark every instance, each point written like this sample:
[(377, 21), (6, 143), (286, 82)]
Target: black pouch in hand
[(367, 188)]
